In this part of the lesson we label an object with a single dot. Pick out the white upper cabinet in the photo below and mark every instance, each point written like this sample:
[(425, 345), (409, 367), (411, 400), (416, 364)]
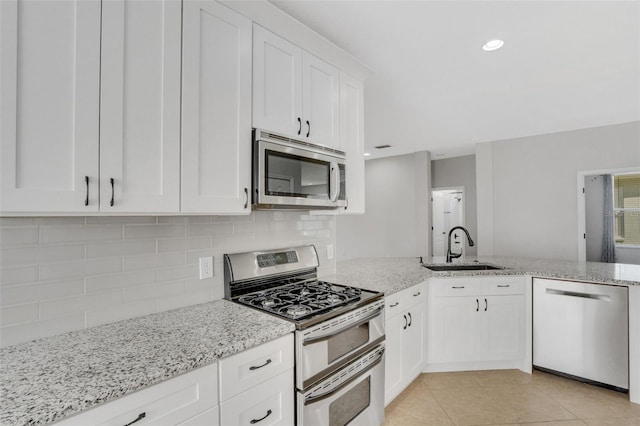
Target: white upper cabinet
[(320, 101), (140, 106), (49, 94), (352, 138), (277, 84), (294, 92), (216, 109)]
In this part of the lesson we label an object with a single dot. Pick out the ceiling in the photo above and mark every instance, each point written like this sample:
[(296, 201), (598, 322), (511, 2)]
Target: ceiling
[(565, 65)]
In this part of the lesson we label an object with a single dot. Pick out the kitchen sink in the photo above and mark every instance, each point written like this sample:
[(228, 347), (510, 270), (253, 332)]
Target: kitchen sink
[(474, 267)]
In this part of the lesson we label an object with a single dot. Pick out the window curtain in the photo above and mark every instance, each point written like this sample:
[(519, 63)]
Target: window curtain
[(608, 227)]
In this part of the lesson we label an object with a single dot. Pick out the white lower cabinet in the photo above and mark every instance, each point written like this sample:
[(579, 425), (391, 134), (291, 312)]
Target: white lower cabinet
[(405, 339), (186, 399), (476, 323)]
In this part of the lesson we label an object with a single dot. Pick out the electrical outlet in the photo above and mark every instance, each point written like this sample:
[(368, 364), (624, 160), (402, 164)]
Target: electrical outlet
[(330, 251), (206, 267)]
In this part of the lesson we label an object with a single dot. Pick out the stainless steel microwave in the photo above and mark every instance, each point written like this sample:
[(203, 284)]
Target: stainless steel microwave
[(293, 174)]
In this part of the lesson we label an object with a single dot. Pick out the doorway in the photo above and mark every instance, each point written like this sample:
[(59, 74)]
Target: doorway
[(447, 211)]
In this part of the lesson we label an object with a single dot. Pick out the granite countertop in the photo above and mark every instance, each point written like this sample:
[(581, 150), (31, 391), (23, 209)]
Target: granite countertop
[(390, 275), (47, 379)]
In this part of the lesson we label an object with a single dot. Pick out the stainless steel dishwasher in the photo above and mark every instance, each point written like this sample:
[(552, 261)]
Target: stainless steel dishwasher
[(582, 330)]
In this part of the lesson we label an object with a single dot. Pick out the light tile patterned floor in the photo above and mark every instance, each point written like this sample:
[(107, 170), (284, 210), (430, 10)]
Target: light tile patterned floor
[(508, 397)]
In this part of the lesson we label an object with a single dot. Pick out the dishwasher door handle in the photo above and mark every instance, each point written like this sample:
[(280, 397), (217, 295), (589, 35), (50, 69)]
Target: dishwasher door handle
[(603, 297)]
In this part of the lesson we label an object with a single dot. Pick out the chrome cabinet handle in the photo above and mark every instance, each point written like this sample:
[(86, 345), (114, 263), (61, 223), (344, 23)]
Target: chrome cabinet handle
[(255, 367), (254, 421), (140, 417), (486, 305), (410, 319), (86, 199), (477, 306), (299, 125), (246, 197), (309, 128), (394, 305), (404, 327), (112, 192)]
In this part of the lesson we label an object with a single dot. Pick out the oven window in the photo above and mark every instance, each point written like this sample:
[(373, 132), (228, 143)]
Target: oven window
[(345, 342), (349, 405), (289, 175)]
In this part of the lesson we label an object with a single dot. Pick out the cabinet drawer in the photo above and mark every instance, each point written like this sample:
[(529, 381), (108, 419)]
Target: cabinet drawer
[(507, 285), (393, 304), (167, 403), (211, 417), (246, 369), (455, 287), (270, 403), (414, 295)]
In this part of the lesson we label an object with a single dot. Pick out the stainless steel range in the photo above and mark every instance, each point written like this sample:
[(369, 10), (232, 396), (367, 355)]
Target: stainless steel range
[(339, 334)]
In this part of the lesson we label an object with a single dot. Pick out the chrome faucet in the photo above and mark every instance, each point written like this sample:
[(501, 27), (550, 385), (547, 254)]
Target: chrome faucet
[(456, 255)]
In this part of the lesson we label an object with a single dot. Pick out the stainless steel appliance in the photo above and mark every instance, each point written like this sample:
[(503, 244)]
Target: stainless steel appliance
[(581, 330), (339, 337), (293, 174)]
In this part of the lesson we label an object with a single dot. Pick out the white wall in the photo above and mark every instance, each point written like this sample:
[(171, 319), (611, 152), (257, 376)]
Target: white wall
[(460, 171), (68, 273), (396, 220), (531, 187)]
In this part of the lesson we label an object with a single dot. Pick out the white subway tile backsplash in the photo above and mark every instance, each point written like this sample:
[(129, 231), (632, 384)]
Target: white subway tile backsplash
[(153, 231), (18, 236), (40, 254), (66, 273), (19, 314), (18, 274), (40, 291), (182, 244), (62, 307), (121, 248), (82, 268), (132, 263), (65, 234), (121, 280)]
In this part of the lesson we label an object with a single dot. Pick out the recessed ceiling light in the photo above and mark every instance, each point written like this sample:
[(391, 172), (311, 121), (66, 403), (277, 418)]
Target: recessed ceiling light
[(492, 45), (366, 154)]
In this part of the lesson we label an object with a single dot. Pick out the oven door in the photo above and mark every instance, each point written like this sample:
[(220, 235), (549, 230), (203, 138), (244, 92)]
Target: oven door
[(353, 395), (290, 176), (327, 346)]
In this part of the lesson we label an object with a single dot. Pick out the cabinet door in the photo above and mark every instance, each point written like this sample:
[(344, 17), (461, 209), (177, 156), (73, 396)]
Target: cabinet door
[(413, 348), (320, 101), (505, 324), (49, 94), (216, 109), (393, 383), (453, 325), (140, 106), (352, 140), (277, 84)]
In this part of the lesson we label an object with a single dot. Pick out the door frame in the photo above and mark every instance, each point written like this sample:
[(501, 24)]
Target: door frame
[(582, 211), (464, 211)]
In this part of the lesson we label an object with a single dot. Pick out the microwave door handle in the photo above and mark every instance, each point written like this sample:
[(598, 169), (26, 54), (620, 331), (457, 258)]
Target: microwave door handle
[(334, 183), (332, 333)]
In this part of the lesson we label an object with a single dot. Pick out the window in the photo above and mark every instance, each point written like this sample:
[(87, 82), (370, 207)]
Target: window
[(626, 208)]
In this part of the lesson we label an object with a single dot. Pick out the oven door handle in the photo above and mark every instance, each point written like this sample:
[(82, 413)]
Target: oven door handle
[(342, 386), (361, 321)]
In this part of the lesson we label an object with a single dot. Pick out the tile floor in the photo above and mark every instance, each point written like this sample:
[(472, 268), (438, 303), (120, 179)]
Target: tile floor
[(508, 397)]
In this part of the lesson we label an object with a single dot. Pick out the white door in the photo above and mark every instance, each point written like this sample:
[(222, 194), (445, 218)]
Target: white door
[(393, 383), (320, 101), (216, 109), (447, 211), (277, 84), (413, 353), (505, 323), (454, 326), (140, 106), (352, 140), (49, 85)]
